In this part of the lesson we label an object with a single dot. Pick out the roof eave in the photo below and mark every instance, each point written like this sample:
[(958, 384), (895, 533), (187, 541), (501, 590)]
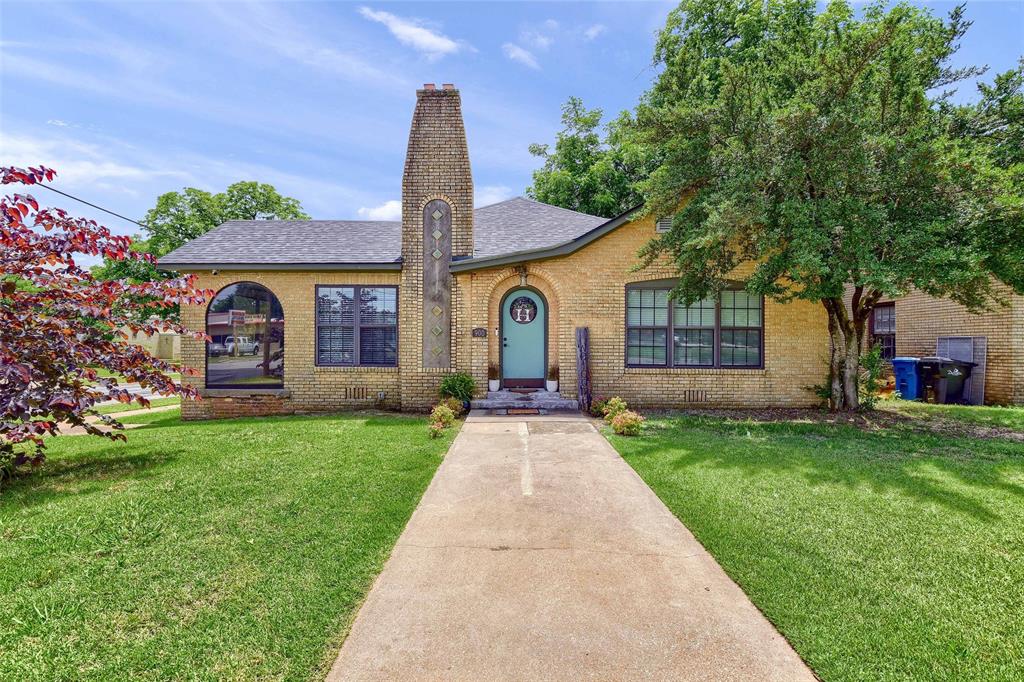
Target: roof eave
[(563, 249), (239, 267)]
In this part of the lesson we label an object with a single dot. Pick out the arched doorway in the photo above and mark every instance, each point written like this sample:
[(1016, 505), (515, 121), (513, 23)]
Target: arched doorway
[(524, 338)]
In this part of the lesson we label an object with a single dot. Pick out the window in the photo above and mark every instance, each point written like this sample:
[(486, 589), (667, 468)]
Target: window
[(883, 329), (246, 326), (723, 332), (357, 325)]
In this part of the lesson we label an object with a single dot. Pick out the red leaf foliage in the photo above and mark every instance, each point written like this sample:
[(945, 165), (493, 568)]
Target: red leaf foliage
[(57, 323)]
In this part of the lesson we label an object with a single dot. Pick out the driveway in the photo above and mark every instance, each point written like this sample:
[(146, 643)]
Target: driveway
[(537, 553)]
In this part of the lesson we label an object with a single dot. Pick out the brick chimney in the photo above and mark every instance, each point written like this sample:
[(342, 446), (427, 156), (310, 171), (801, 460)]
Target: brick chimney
[(437, 225)]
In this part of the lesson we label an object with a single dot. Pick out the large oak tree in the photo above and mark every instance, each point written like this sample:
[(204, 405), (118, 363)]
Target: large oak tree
[(822, 146)]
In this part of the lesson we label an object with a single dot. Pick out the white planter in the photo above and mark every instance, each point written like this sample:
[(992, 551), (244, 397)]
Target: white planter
[(552, 386), (493, 385)]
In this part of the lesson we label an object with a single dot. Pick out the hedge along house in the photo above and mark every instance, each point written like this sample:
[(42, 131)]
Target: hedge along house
[(327, 315)]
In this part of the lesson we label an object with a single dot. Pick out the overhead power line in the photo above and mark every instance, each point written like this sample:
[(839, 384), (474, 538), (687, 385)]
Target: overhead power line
[(87, 203)]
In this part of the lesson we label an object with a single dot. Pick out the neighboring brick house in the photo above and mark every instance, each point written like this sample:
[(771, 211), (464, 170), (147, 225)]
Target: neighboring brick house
[(914, 324), (327, 315)]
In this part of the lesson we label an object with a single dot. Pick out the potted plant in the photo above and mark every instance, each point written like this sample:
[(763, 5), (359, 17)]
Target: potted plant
[(493, 378), (552, 384)]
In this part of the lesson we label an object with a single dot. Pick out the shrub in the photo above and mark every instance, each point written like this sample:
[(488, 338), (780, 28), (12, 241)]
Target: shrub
[(459, 386), (627, 423), (612, 407), (872, 365), (493, 373), (597, 406), (435, 429), (453, 404), (553, 373), (443, 415)]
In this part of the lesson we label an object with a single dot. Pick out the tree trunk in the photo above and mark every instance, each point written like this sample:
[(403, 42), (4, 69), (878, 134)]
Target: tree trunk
[(846, 329)]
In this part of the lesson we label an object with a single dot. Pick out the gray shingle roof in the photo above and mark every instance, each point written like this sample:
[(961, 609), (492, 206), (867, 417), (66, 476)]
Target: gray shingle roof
[(520, 224), (509, 226), (293, 241)]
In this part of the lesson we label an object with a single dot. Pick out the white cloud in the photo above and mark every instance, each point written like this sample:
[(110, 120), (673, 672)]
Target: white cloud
[(389, 210), (521, 55), (413, 33), (79, 163), (551, 25), (57, 122), (265, 25), (491, 194), (536, 39), (593, 32)]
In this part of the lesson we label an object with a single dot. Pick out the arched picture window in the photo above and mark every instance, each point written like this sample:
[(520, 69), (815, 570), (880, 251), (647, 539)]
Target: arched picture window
[(246, 324)]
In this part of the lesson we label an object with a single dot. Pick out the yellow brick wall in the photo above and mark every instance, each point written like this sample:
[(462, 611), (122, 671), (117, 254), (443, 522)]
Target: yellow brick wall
[(921, 319), (587, 288), (310, 388)]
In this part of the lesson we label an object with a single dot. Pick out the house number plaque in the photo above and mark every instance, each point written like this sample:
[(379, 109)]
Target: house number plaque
[(480, 333)]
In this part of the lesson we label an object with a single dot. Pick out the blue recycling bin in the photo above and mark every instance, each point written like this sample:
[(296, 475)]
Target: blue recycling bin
[(908, 378)]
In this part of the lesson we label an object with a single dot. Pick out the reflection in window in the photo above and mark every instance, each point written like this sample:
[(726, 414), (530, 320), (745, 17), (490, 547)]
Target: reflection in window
[(350, 334), (246, 326), (714, 332)]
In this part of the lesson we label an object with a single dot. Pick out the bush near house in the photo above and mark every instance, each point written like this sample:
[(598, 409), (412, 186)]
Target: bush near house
[(627, 423), (612, 407), (459, 385)]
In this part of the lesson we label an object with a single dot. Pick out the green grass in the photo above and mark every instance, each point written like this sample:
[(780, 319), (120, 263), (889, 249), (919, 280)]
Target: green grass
[(207, 550), (104, 373), (134, 407), (880, 555), (1005, 417)]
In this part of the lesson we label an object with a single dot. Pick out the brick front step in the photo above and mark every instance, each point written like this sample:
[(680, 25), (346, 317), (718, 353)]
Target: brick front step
[(538, 400)]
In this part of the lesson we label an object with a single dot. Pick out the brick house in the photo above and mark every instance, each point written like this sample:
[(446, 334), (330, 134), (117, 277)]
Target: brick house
[(335, 314), (919, 325)]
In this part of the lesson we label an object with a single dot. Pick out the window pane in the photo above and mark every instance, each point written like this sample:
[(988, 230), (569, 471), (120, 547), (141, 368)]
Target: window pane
[(335, 346), (885, 319), (741, 348), (647, 307), (699, 314), (334, 305), (661, 307), (378, 305), (378, 346), (646, 347), (246, 324), (694, 347), (740, 309)]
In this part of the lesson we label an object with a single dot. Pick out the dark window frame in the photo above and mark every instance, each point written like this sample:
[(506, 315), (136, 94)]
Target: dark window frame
[(881, 338), (356, 326), (670, 328)]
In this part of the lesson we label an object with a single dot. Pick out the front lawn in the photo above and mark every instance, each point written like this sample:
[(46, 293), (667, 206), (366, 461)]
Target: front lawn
[(207, 550), (1002, 417), (891, 554)]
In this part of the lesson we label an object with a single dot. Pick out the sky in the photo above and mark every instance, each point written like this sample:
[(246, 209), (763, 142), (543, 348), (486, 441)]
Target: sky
[(129, 100)]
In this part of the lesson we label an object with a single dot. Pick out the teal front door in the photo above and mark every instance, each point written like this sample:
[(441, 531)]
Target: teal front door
[(523, 339)]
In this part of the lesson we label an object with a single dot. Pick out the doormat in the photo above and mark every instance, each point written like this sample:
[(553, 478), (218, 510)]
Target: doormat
[(523, 410)]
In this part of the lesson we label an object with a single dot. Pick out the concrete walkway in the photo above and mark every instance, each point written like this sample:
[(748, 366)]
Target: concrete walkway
[(538, 554)]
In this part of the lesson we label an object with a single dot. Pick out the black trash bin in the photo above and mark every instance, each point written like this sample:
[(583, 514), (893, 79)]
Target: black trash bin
[(944, 379)]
